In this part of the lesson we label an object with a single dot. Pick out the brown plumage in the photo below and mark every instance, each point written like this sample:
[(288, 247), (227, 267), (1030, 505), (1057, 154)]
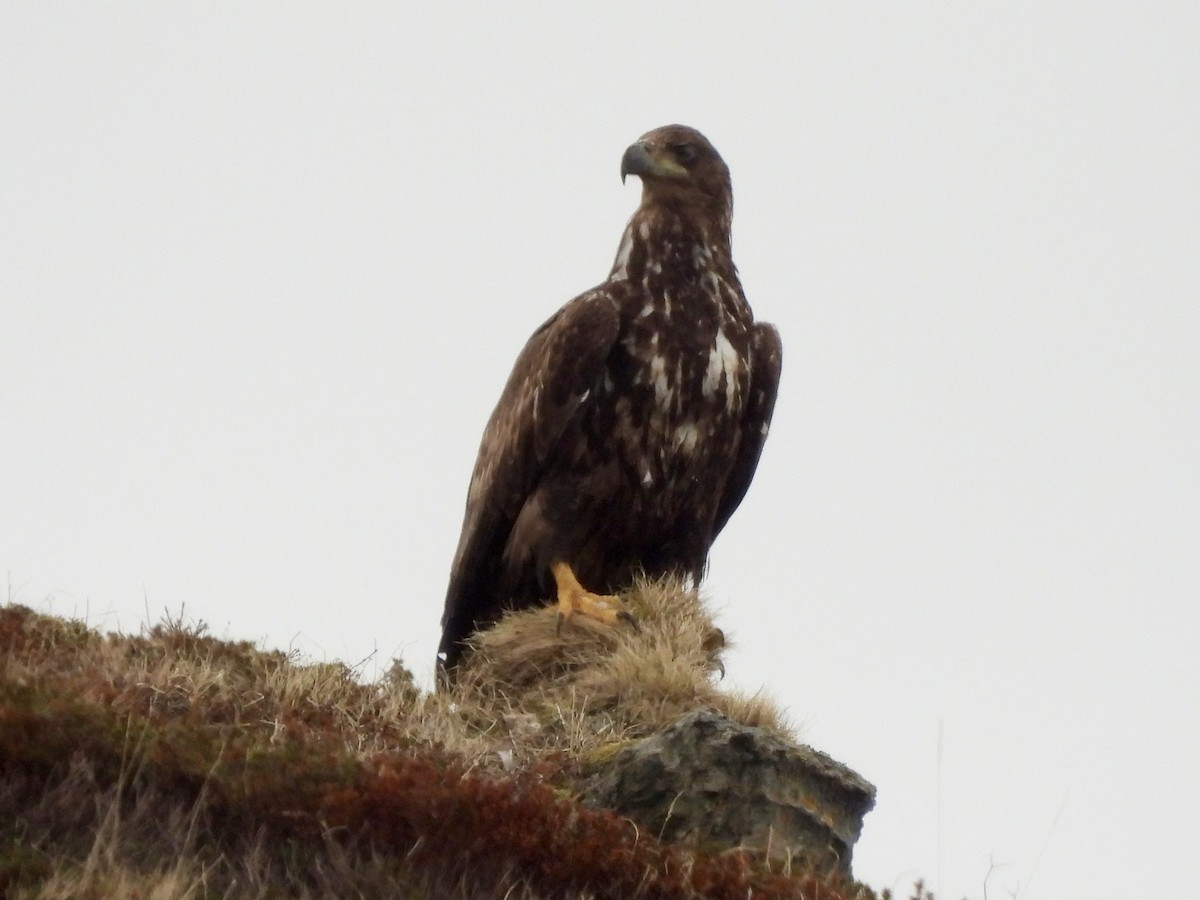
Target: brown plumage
[(633, 419)]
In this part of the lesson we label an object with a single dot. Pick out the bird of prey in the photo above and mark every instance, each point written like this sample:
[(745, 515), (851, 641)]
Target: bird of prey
[(633, 419)]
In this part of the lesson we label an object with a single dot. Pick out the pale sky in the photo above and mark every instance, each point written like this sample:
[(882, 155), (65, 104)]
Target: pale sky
[(265, 267)]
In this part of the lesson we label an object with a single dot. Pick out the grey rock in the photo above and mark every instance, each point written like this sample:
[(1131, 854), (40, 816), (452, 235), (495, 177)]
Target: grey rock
[(711, 782)]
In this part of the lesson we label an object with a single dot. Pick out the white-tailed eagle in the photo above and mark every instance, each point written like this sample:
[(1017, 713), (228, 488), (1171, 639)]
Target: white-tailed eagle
[(633, 420)]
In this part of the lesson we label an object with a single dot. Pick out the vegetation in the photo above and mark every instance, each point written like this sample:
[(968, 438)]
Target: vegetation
[(176, 765)]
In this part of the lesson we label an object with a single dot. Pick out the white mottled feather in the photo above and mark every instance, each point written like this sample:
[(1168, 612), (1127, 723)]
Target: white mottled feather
[(722, 362)]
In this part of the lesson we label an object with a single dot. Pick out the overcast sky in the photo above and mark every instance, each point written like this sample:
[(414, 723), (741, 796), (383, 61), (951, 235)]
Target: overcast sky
[(264, 269)]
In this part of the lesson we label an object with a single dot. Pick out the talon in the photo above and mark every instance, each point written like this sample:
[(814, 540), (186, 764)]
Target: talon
[(627, 617), (574, 598)]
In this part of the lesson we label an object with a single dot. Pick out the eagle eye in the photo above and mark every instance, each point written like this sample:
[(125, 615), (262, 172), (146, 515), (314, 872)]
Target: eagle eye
[(685, 153)]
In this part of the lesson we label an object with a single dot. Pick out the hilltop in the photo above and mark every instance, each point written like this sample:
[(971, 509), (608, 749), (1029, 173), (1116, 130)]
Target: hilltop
[(174, 764)]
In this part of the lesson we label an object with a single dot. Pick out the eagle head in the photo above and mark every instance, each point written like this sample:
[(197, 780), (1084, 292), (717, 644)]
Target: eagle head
[(678, 166)]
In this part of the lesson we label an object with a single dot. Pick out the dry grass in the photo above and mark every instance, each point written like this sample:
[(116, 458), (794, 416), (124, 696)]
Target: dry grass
[(173, 764), (533, 688)]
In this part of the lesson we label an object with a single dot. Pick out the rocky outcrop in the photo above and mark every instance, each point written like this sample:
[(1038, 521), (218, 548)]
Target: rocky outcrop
[(709, 781)]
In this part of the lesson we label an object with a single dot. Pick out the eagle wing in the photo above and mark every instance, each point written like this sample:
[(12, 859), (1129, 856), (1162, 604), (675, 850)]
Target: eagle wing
[(766, 358), (552, 378)]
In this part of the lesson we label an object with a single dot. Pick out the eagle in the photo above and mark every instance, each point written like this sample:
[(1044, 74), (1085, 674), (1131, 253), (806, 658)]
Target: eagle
[(633, 419)]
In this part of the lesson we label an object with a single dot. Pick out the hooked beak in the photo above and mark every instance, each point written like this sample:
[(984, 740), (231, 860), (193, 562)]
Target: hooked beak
[(637, 160)]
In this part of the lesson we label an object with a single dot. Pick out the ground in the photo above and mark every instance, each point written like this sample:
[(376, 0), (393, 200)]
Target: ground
[(174, 764)]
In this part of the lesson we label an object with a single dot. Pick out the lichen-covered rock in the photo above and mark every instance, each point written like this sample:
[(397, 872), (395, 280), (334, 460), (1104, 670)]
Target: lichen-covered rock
[(710, 781)]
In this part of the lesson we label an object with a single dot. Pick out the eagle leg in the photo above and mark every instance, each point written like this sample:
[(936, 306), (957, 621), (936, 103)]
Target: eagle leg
[(574, 598)]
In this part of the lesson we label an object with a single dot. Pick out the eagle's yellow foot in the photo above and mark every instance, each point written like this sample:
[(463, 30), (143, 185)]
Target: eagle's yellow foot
[(574, 598)]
